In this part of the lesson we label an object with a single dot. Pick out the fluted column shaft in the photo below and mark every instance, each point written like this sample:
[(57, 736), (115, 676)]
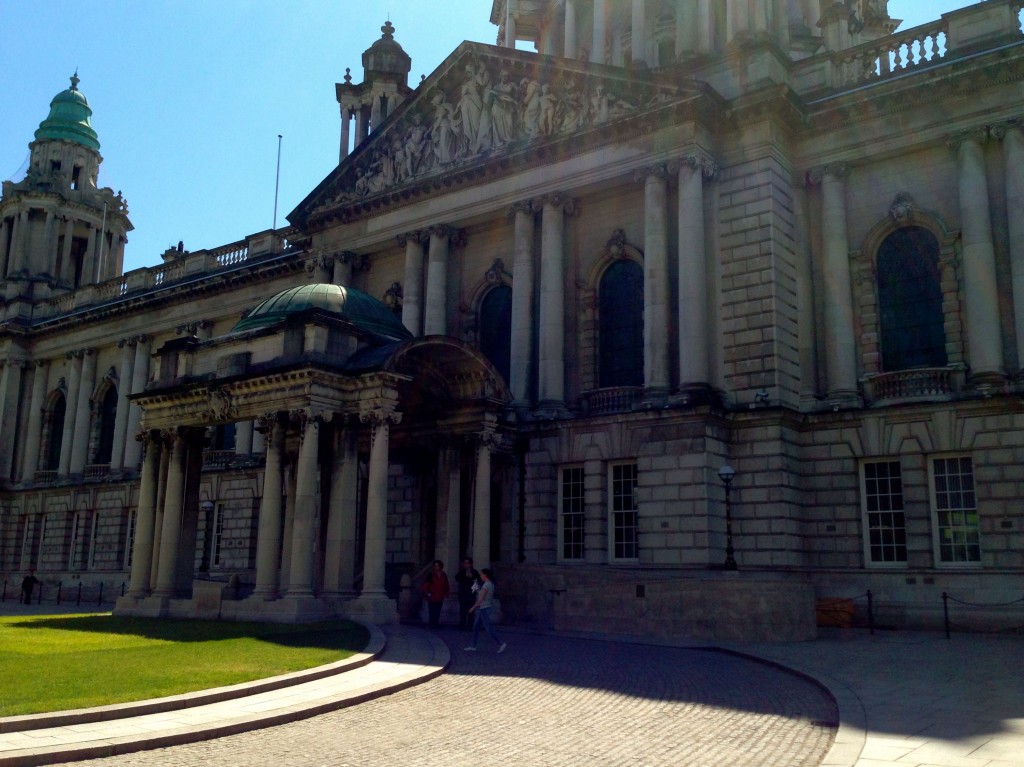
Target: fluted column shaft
[(300, 579), (10, 389), (83, 413), (140, 375), (839, 339), (346, 119), (71, 407), (551, 378), (34, 436), (123, 405), (339, 555), (639, 32), (694, 357), (600, 32), (145, 519), (268, 541), (482, 503), (376, 504), (170, 534), (436, 321), (981, 295), (570, 45), (656, 305), (412, 290), (1013, 166), (521, 367)]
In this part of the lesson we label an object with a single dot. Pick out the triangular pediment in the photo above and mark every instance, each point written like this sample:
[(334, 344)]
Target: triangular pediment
[(485, 104)]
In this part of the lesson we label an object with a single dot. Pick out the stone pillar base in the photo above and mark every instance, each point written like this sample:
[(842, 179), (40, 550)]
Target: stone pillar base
[(372, 608)]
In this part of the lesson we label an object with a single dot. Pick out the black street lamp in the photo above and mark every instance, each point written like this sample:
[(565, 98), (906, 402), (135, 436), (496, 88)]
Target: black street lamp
[(726, 473)]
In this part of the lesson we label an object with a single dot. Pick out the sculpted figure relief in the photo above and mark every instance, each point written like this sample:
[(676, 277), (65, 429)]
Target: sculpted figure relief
[(491, 114)]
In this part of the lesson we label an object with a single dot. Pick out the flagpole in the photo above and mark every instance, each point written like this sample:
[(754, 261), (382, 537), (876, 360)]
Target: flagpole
[(277, 180)]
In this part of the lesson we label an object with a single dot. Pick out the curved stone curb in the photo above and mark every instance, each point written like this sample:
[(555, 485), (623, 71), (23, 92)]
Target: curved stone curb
[(373, 648)]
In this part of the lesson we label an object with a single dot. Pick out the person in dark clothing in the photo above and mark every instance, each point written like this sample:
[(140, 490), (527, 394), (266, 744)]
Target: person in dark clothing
[(468, 580), (436, 589), (28, 585)]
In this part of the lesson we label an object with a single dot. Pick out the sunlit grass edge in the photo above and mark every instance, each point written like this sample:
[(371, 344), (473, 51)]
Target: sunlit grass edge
[(61, 662)]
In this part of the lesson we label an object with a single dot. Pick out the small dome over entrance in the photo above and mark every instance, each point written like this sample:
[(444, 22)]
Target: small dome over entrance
[(363, 311), (69, 119)]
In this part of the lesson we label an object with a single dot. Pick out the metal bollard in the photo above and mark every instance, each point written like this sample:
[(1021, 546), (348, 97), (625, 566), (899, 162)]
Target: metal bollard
[(871, 613), (79, 602), (60, 587), (945, 611), (100, 600)]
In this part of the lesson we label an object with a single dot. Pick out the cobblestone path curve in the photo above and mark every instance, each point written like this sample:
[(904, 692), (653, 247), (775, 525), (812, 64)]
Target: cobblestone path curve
[(552, 701)]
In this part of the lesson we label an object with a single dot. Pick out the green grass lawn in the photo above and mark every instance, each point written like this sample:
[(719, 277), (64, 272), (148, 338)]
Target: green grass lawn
[(57, 662)]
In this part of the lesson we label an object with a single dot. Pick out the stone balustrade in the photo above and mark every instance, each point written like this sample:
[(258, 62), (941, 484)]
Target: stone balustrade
[(614, 399), (894, 55), (920, 384)]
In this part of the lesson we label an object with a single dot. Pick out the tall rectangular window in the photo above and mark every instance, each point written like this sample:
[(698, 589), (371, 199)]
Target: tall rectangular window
[(623, 512), (76, 540), (884, 523), (571, 513), (94, 532), (218, 535), (956, 510), (129, 539)]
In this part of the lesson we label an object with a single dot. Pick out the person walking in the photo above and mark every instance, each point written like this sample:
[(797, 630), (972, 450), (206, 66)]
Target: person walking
[(468, 580), (482, 608), (28, 585), (436, 589)]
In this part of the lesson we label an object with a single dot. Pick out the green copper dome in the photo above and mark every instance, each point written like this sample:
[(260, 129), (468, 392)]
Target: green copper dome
[(363, 311), (69, 119)]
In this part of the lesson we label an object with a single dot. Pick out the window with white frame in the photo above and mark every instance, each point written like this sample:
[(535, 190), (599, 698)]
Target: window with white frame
[(955, 508), (623, 522), (570, 512), (885, 541)]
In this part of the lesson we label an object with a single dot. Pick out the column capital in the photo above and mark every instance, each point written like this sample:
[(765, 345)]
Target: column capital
[(379, 415), (303, 415), (971, 135), (143, 339), (521, 206), (699, 161), (416, 236), (837, 170), (568, 205), (266, 423), (319, 261), (41, 364), (658, 170), (1001, 130), (129, 341), (446, 231)]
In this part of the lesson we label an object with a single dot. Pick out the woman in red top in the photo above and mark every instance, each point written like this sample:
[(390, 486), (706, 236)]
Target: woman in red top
[(435, 587)]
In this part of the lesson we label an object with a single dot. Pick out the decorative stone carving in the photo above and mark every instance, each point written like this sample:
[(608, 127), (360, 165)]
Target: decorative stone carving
[(902, 209), (491, 109), (219, 405)]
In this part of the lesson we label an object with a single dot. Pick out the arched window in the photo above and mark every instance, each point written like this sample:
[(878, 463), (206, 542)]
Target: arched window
[(496, 328), (56, 433), (910, 301), (107, 414), (621, 325)]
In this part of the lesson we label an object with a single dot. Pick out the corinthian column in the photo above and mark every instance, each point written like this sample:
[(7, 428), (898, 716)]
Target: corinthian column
[(145, 518), (140, 375), (83, 413), (981, 295), (268, 540), (1013, 167), (121, 417), (300, 578), (33, 438), (71, 407), (10, 388), (600, 31), (170, 534), (436, 321), (412, 290), (551, 378), (692, 278), (639, 32), (840, 351), (521, 368), (482, 499), (655, 281), (375, 547), (339, 552), (569, 49)]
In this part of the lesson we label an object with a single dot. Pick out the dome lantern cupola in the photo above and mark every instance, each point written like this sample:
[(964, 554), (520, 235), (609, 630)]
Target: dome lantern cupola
[(69, 119)]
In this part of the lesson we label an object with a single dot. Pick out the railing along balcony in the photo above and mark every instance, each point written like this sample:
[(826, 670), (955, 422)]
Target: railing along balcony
[(896, 54), (920, 384), (95, 472), (613, 399), (218, 459), (45, 477)]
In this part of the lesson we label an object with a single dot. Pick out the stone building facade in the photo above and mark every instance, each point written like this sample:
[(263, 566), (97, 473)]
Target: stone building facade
[(543, 300)]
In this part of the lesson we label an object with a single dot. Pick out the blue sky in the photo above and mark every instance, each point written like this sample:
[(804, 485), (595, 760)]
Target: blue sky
[(189, 96)]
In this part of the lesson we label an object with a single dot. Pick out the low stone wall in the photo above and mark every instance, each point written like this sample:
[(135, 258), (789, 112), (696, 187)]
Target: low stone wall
[(707, 605)]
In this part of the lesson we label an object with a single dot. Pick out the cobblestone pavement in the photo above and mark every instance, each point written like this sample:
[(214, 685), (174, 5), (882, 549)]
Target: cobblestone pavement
[(553, 701)]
